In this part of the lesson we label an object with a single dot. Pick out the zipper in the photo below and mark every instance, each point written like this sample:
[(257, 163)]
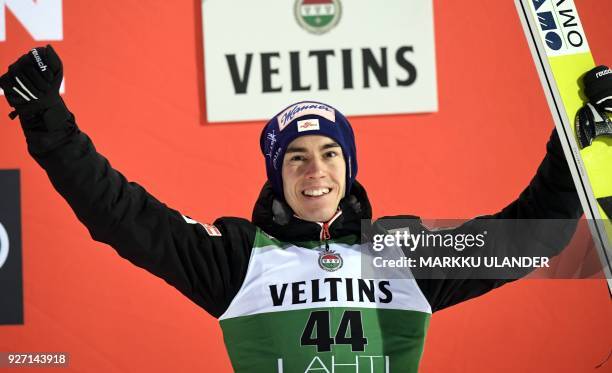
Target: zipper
[(325, 235)]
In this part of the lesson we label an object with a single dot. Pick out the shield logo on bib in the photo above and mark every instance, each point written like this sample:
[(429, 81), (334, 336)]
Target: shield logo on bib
[(330, 261)]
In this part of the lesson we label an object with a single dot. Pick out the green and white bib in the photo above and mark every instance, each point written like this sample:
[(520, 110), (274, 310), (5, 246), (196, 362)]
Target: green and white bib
[(302, 308)]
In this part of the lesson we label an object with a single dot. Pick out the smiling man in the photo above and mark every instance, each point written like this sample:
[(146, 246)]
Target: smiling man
[(287, 286), (310, 158), (313, 177)]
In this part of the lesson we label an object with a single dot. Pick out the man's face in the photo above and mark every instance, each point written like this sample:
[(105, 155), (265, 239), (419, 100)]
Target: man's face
[(314, 177)]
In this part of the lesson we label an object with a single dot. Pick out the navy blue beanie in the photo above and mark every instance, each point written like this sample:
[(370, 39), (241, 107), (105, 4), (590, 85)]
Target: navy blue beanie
[(301, 119)]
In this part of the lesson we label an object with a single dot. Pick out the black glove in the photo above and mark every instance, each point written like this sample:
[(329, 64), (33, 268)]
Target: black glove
[(32, 83), (591, 123), (598, 87), (592, 120)]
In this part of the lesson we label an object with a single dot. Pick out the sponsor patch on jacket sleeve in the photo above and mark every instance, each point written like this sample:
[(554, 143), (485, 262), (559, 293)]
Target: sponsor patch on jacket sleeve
[(211, 229)]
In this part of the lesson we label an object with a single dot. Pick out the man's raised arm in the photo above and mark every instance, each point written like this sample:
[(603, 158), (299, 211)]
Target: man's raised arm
[(539, 223), (206, 263)]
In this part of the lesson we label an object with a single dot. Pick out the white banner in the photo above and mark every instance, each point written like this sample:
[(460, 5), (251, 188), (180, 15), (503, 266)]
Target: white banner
[(364, 57), (42, 19)]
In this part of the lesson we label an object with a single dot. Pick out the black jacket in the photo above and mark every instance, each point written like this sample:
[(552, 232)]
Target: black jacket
[(208, 268)]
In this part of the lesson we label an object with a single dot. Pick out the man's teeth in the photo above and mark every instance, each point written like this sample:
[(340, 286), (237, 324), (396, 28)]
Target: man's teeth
[(316, 192)]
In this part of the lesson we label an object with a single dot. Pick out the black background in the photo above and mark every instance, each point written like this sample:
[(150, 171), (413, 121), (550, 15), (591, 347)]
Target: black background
[(11, 280)]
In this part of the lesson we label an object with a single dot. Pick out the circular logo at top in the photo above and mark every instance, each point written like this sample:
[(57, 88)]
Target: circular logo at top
[(318, 16), (553, 40), (4, 245), (330, 261)]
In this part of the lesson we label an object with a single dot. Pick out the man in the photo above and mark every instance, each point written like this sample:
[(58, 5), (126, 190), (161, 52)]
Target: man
[(287, 287)]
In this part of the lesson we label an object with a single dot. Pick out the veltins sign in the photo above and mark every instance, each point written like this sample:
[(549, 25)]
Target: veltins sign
[(364, 57), (11, 293)]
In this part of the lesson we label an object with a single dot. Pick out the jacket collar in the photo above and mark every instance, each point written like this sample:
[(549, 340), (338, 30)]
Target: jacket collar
[(276, 218)]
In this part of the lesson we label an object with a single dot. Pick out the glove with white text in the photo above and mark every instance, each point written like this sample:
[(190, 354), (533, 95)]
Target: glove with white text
[(32, 83), (592, 119)]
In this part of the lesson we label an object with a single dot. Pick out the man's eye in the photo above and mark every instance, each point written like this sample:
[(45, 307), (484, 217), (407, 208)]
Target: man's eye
[(331, 154), (297, 158)]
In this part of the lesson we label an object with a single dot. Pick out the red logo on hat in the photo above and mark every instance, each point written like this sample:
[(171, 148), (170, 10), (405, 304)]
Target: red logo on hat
[(308, 125)]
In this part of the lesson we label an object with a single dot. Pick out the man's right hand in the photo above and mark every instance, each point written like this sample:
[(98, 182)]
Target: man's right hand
[(32, 83)]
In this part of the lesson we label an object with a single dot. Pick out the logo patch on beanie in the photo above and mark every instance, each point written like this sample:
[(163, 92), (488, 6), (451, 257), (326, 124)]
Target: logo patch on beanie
[(305, 108), (270, 141), (308, 125)]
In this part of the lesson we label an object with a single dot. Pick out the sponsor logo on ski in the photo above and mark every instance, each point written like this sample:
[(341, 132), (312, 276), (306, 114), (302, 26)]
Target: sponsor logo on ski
[(560, 26), (308, 125), (317, 16)]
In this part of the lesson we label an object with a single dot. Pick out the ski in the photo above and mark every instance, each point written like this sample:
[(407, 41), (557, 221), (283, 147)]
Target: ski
[(562, 56)]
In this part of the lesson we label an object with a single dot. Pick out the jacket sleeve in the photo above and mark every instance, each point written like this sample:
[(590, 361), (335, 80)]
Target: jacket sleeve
[(540, 222), (205, 263)]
